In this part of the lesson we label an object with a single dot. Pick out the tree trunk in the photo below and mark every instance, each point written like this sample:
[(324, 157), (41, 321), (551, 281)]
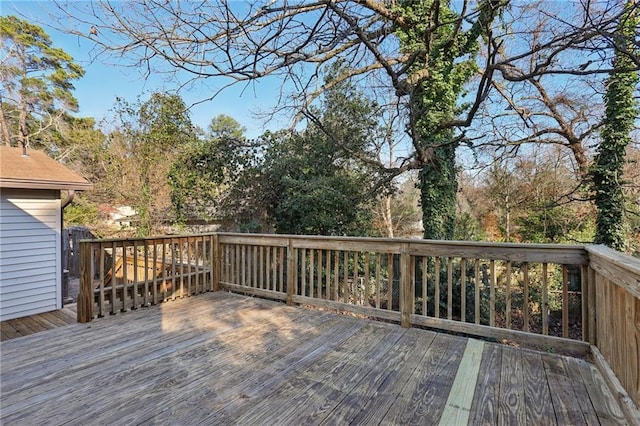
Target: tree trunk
[(6, 138)]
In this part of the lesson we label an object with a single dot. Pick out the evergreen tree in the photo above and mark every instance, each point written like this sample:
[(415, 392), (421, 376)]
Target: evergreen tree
[(36, 81)]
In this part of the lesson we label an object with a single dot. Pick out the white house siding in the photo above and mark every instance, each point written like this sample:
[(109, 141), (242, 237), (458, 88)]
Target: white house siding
[(30, 266)]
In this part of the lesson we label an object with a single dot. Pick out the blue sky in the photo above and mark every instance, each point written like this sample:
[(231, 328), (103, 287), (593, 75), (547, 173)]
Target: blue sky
[(97, 90)]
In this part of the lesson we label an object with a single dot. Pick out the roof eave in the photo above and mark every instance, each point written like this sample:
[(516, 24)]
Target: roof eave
[(33, 184)]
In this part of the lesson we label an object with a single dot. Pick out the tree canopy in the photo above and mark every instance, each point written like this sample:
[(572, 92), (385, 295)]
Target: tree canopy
[(37, 81)]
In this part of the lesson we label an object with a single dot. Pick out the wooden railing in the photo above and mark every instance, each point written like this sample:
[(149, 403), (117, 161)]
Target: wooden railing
[(118, 275), (502, 291), (614, 316), (557, 297)]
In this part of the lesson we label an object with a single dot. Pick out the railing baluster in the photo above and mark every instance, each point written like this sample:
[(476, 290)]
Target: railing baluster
[(525, 290), (545, 300), (312, 257), (154, 289), (237, 279), (463, 290), (449, 288), (508, 294), (125, 281), (195, 268), (135, 276), (113, 279), (356, 274), (367, 259), (477, 291), (425, 268), (303, 271), (565, 301), (281, 266), (492, 294), (101, 299), (164, 272), (390, 282), (336, 273), (145, 298), (378, 279), (437, 287), (319, 280), (255, 262), (345, 276), (264, 271), (328, 292)]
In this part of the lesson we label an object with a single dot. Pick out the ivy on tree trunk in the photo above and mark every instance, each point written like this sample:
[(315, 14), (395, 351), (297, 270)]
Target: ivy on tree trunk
[(606, 173)]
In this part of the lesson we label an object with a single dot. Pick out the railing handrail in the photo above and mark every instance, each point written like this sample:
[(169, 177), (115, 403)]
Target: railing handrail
[(551, 253)]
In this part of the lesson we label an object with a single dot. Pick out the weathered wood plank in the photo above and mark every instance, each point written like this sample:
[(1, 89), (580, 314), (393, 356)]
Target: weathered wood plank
[(161, 360), (511, 404), (372, 397), (484, 409), (563, 397), (299, 389), (603, 401), (537, 399), (220, 358), (422, 401), (225, 398)]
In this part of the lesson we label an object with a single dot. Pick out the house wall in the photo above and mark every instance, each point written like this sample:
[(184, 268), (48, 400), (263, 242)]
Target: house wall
[(30, 252)]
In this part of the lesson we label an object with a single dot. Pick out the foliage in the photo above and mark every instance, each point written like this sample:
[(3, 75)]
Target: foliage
[(207, 168), (141, 150), (312, 186), (80, 212), (447, 56), (320, 181), (621, 112), (36, 80)]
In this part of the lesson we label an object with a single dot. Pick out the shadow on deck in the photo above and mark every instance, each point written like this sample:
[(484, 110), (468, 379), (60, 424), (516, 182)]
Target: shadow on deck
[(222, 358)]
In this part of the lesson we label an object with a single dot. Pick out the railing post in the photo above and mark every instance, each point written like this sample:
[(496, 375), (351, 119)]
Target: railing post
[(85, 297), (405, 286), (216, 263), (290, 272)]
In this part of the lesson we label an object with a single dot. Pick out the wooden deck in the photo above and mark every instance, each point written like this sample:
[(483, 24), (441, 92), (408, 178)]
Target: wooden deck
[(221, 358), (25, 326)]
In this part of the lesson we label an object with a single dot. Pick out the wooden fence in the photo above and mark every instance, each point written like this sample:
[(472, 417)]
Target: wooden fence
[(71, 238), (585, 300)]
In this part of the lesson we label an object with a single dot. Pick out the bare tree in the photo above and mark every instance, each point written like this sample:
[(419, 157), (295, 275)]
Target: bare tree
[(390, 46)]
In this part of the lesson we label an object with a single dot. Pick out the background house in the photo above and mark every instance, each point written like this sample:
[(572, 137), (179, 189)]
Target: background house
[(30, 230)]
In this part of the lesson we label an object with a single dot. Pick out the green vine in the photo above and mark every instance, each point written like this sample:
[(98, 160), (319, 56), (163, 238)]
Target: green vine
[(621, 111)]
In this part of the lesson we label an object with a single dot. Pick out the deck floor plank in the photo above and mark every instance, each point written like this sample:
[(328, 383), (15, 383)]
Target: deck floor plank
[(537, 398), (563, 397), (180, 377), (221, 358), (95, 337), (371, 398), (298, 390), (484, 409), (511, 405), (239, 396), (329, 397), (9, 330), (604, 403), (424, 397)]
